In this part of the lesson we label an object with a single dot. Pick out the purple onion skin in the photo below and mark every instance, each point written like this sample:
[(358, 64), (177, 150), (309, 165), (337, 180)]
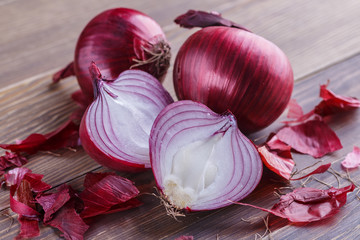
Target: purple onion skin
[(114, 39), (232, 69)]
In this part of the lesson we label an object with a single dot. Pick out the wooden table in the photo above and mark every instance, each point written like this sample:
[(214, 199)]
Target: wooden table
[(321, 39)]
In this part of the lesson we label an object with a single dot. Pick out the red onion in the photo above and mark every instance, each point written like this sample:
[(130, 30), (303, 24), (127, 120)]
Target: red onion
[(225, 67), (117, 40), (200, 159), (115, 128)]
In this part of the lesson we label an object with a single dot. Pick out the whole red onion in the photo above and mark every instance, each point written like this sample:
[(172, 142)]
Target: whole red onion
[(118, 39), (225, 66)]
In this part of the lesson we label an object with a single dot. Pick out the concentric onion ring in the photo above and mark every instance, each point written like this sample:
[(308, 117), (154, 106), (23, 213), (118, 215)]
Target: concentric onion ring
[(115, 128), (200, 159)]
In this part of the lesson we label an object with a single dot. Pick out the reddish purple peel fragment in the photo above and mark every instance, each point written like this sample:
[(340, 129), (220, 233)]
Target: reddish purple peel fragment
[(10, 160), (313, 137), (67, 135), (309, 204), (22, 185), (280, 163), (62, 212), (352, 159), (107, 193), (333, 103), (277, 157), (294, 109), (318, 170), (193, 18)]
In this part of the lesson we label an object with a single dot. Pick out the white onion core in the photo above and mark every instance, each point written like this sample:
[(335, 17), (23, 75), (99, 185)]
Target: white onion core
[(194, 168)]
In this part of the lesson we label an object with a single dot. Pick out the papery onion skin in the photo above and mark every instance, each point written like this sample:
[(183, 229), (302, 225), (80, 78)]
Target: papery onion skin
[(230, 68), (97, 142), (119, 39), (188, 118)]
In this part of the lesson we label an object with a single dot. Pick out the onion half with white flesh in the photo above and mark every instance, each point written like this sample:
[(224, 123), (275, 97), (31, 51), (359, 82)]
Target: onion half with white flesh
[(115, 128), (200, 159)]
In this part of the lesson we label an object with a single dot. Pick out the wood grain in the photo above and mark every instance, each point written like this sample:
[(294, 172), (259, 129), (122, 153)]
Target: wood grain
[(41, 35), (320, 39), (151, 222)]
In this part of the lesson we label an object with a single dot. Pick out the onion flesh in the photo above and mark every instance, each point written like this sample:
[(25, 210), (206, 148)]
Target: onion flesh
[(200, 159), (115, 128)]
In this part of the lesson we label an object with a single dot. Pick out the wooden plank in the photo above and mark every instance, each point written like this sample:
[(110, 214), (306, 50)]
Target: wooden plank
[(150, 220), (41, 35), (36, 106), (42, 38)]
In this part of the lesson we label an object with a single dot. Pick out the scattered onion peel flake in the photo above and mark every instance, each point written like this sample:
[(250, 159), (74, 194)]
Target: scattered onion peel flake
[(294, 109), (321, 169), (67, 135), (352, 159), (275, 144), (62, 212), (22, 184), (193, 18), (305, 205), (333, 103), (313, 137), (280, 164), (10, 160), (106, 193), (277, 157), (296, 114)]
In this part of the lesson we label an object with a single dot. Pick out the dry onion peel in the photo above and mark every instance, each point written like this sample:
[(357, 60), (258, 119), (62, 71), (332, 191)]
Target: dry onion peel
[(305, 205)]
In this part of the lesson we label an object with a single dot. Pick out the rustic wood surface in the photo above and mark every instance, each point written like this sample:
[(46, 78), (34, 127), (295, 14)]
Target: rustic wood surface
[(321, 39)]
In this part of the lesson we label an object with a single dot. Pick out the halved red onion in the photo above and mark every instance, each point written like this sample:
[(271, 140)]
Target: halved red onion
[(200, 159), (115, 128)]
